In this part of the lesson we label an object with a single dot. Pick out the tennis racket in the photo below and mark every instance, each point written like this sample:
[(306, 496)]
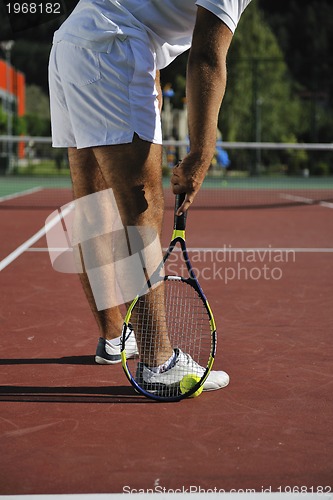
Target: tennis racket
[(172, 321)]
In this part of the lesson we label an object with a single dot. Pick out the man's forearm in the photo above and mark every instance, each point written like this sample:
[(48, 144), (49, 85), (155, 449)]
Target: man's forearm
[(206, 82)]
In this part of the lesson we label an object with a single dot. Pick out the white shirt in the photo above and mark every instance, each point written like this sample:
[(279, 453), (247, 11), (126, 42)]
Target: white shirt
[(168, 23)]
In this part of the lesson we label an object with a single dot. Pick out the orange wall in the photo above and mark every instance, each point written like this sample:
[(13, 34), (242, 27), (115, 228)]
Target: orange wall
[(2, 74), (17, 88), (17, 85), (20, 92)]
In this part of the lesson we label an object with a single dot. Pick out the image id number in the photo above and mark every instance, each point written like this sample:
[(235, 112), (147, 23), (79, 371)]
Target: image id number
[(33, 8)]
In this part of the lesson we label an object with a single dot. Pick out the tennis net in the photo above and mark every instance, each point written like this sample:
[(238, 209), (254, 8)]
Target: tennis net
[(242, 175)]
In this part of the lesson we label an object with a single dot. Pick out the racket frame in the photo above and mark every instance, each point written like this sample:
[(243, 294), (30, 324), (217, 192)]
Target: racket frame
[(178, 236)]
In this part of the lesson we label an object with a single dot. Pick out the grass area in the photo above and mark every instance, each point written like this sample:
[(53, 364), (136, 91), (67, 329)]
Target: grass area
[(43, 169)]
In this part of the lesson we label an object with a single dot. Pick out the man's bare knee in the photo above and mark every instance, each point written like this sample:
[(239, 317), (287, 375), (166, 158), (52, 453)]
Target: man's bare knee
[(133, 171)]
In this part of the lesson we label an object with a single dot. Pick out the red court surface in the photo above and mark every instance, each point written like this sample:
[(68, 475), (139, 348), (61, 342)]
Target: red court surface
[(68, 425)]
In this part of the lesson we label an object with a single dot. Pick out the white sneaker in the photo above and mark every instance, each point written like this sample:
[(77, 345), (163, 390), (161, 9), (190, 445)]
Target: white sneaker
[(108, 353), (184, 365)]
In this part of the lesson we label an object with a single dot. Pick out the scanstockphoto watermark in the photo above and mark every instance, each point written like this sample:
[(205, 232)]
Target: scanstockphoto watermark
[(285, 490), (157, 489), (228, 264)]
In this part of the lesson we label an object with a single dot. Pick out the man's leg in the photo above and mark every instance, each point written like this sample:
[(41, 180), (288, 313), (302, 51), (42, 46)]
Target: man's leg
[(133, 172), (87, 179)]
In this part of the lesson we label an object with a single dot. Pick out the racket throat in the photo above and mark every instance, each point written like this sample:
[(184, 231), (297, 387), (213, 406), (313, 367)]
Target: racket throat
[(178, 234)]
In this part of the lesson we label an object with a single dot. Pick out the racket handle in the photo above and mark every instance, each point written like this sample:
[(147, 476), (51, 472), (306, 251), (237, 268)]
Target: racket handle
[(180, 220)]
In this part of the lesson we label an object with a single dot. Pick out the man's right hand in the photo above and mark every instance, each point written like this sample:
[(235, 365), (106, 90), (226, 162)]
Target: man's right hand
[(187, 177)]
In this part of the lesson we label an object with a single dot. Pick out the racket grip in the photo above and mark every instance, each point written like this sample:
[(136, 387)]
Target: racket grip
[(180, 220)]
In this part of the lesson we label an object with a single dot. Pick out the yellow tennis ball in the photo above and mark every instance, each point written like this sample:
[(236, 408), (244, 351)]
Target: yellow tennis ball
[(186, 384)]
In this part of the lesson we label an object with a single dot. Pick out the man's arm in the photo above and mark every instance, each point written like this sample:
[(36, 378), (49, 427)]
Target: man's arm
[(205, 87)]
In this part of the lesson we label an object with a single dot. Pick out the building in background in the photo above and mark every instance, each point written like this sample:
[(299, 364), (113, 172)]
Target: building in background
[(12, 103)]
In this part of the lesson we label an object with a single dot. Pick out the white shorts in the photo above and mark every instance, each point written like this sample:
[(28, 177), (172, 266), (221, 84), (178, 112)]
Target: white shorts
[(100, 98)]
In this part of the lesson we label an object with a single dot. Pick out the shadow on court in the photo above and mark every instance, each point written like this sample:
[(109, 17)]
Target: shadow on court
[(67, 360), (79, 394), (29, 394)]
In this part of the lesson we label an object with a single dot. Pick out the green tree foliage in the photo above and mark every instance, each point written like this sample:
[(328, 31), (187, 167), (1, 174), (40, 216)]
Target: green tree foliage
[(38, 102), (3, 121), (37, 126), (36, 121), (305, 33), (260, 101)]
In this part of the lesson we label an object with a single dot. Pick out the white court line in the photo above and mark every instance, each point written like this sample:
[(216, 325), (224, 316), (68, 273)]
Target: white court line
[(293, 197), (37, 236), (308, 201), (212, 250), (326, 204), (20, 193)]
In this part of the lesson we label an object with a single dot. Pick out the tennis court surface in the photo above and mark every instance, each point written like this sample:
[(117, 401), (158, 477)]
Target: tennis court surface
[(68, 425)]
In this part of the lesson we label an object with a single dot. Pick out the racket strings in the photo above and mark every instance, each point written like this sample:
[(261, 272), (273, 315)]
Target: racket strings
[(173, 315), (191, 321)]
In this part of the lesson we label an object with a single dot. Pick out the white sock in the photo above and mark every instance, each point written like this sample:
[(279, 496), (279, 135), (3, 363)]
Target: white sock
[(114, 342), (166, 366)]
